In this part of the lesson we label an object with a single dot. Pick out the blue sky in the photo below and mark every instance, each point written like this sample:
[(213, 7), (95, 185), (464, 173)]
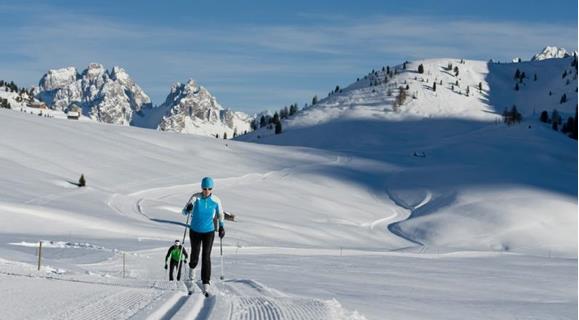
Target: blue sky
[(256, 55)]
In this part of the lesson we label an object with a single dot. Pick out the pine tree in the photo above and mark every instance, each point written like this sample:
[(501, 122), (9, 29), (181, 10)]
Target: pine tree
[(555, 126), (293, 109), (337, 89), (544, 116), (225, 135), (456, 71), (563, 98), (278, 128), (81, 181), (275, 118), (516, 87), (564, 74), (568, 126), (314, 100), (480, 86), (420, 68), (262, 122), (434, 87)]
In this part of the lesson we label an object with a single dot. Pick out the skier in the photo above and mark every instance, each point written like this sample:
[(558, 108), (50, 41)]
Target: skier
[(175, 253), (205, 208)]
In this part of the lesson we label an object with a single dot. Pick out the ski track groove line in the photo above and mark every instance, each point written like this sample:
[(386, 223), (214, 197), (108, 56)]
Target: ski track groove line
[(120, 305), (277, 308)]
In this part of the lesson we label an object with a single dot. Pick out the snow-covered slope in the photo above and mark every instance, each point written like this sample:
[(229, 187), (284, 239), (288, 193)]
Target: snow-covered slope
[(110, 97), (190, 108), (461, 175), (320, 233), (358, 210)]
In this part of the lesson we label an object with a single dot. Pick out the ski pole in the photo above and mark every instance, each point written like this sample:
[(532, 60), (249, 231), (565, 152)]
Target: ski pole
[(221, 253), (183, 242)]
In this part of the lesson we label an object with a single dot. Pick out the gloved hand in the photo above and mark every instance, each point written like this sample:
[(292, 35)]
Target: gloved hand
[(189, 207), (165, 266), (221, 232)]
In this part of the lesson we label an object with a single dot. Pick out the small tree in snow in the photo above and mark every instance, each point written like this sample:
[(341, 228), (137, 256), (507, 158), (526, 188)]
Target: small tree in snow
[(544, 116), (82, 181), (278, 128), (563, 98), (314, 100), (420, 68)]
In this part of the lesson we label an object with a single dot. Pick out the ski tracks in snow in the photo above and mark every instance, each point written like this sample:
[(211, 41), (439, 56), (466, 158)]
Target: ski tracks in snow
[(250, 300)]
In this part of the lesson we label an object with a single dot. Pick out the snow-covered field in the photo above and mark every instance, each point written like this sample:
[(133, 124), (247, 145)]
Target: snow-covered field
[(361, 213)]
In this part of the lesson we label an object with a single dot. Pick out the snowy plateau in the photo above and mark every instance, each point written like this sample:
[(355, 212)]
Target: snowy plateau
[(366, 206)]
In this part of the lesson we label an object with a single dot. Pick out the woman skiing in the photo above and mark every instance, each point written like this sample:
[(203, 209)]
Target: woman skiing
[(205, 208)]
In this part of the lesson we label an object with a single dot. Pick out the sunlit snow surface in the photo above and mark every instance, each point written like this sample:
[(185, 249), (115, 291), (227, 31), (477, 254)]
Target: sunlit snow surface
[(360, 214)]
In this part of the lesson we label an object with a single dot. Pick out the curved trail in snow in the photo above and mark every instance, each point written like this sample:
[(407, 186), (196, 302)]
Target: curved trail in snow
[(134, 201), (408, 212)]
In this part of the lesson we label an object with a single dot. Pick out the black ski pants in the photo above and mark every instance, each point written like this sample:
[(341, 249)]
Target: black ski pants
[(172, 266), (199, 240)]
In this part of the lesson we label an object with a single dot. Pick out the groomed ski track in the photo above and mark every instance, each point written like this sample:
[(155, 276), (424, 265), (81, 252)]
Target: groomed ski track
[(136, 299)]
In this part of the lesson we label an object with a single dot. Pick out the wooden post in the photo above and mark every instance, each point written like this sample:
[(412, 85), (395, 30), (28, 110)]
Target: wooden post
[(39, 254), (123, 265)]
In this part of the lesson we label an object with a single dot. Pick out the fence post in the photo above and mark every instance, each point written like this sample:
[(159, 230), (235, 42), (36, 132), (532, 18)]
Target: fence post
[(39, 254)]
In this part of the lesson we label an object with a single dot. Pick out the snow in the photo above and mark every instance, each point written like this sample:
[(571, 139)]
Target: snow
[(336, 218)]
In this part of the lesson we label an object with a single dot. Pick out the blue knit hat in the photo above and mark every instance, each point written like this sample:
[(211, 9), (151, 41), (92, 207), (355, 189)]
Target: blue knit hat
[(207, 183)]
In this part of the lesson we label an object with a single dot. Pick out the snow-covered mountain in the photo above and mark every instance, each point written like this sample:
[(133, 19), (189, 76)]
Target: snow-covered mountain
[(550, 52), (104, 96), (190, 108), (114, 97), (465, 89)]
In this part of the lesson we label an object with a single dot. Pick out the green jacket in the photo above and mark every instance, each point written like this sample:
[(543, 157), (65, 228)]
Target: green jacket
[(175, 253)]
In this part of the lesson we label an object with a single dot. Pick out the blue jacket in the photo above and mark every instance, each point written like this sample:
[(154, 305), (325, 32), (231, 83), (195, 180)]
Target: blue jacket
[(203, 213)]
